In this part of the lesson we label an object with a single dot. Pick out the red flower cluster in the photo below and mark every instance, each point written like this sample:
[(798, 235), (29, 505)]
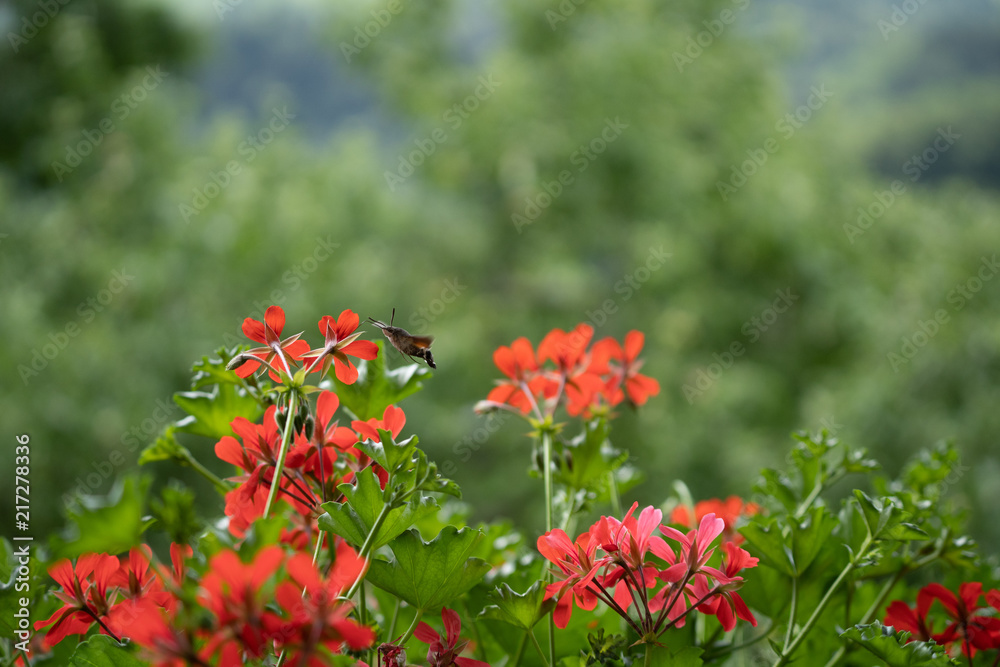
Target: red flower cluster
[(280, 356), (312, 469), (968, 629), (309, 621), (587, 380), (730, 510), (642, 569), (107, 591), (445, 652)]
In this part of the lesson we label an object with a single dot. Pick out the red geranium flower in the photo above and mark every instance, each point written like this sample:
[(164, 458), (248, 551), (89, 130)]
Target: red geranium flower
[(974, 631), (625, 370), (164, 643), (632, 538), (730, 510), (687, 583), (696, 544), (138, 582), (734, 561), (88, 592), (912, 619), (578, 568), (607, 374), (393, 420), (257, 455), (519, 364), (319, 615), (269, 332), (445, 653), (340, 340), (568, 352), (627, 542), (234, 593), (319, 453)]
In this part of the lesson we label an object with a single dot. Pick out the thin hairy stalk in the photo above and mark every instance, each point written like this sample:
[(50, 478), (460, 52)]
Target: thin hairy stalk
[(286, 438)]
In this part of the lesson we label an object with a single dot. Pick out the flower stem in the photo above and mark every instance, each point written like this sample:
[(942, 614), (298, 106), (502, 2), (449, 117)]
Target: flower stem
[(648, 660), (732, 648), (791, 613), (367, 547), (887, 590), (821, 485), (616, 500), (191, 461), (480, 646), (547, 476), (319, 544), (538, 647), (286, 438), (90, 612), (789, 649), (362, 605), (395, 617), (520, 649), (410, 630)]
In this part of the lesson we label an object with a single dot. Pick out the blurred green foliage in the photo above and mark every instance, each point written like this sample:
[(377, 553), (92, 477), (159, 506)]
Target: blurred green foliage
[(112, 290)]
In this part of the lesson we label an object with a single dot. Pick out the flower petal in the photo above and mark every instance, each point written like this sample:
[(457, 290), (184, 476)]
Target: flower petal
[(362, 349), (274, 316), (633, 344), (346, 371)]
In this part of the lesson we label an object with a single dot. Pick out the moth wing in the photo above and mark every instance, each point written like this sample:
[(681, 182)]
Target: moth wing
[(423, 341)]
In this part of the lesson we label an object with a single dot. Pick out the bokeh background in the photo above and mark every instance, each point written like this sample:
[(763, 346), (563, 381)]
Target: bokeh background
[(822, 176)]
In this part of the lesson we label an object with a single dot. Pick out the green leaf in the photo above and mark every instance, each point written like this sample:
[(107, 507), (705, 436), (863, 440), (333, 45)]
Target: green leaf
[(590, 456), (522, 610), (213, 371), (164, 448), (7, 562), (930, 470), (211, 412), (388, 453), (423, 476), (892, 649), (777, 485), (764, 535), (906, 532), (430, 574), (103, 651), (9, 597), (105, 524), (885, 520), (809, 535), (855, 461), (662, 656), (354, 518), (175, 514), (378, 387)]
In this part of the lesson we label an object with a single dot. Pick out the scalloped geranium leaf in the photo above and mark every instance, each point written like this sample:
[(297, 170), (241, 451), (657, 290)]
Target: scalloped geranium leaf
[(103, 651), (892, 647), (522, 610), (209, 413), (354, 518), (428, 575), (105, 524), (766, 538), (387, 452)]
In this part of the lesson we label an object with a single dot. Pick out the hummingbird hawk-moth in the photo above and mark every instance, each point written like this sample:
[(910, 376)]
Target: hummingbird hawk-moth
[(405, 342)]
